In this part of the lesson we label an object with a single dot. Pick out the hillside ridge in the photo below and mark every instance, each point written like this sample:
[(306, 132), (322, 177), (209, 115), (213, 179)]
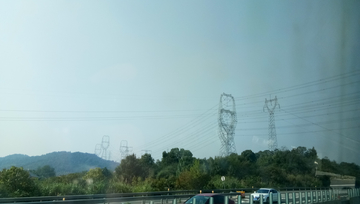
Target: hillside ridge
[(63, 162)]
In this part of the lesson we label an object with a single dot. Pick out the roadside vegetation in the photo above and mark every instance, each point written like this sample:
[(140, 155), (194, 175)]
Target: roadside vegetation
[(179, 170)]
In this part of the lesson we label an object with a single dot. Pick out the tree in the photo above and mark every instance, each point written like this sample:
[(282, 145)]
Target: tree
[(148, 165), (171, 157), (96, 181), (194, 178), (185, 161), (175, 162), (218, 166), (45, 171), (17, 182), (234, 162), (130, 168), (97, 175), (249, 155), (175, 155), (242, 165)]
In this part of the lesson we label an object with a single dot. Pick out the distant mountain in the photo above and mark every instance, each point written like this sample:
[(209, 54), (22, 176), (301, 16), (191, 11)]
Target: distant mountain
[(62, 162)]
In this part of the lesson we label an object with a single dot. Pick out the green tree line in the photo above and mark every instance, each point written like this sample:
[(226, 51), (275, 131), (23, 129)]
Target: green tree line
[(179, 170)]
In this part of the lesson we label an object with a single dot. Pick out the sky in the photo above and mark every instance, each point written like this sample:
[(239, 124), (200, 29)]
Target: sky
[(149, 75)]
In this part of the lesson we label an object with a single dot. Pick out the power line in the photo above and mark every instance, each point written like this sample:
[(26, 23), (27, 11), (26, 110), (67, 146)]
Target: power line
[(327, 139), (191, 138), (182, 129), (300, 94), (296, 133), (98, 111), (312, 106), (311, 116), (317, 124), (284, 127), (304, 85), (87, 118), (319, 107)]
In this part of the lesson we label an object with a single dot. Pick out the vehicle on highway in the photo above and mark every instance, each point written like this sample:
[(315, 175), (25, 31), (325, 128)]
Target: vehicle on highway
[(204, 198), (265, 193), (242, 193)]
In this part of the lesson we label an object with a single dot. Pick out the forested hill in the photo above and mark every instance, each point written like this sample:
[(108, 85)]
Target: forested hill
[(178, 169), (62, 162)]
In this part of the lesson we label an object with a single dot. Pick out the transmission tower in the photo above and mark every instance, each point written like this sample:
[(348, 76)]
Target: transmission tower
[(109, 155), (227, 123), (105, 143), (98, 150), (146, 151), (272, 130), (124, 149)]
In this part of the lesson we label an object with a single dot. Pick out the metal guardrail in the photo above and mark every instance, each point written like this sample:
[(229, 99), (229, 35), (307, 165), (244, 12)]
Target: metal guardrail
[(112, 195), (316, 196), (102, 200), (158, 193), (284, 197), (98, 196)]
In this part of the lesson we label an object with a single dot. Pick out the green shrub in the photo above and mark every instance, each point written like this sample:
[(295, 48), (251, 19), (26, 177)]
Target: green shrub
[(118, 187)]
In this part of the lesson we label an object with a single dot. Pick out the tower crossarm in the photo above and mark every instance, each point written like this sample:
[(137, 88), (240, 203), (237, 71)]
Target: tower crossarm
[(273, 105)]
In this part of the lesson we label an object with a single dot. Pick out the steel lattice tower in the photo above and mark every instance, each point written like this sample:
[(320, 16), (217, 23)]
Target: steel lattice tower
[(101, 149), (124, 149), (98, 150), (272, 143), (105, 143), (227, 123)]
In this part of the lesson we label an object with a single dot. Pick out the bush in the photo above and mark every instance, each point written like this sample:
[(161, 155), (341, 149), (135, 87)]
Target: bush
[(3, 191), (57, 189), (230, 182), (142, 186), (117, 187), (97, 188), (16, 182)]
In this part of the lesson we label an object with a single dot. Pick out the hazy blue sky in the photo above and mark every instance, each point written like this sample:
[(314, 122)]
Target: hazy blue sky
[(152, 72)]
